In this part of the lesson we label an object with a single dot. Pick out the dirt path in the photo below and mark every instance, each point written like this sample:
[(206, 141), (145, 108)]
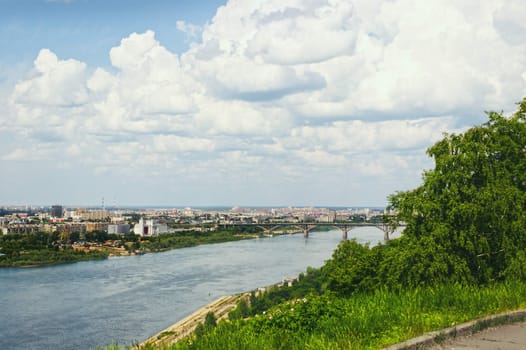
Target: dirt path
[(220, 307)]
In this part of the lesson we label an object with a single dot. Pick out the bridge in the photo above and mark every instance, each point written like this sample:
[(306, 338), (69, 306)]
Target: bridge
[(307, 227)]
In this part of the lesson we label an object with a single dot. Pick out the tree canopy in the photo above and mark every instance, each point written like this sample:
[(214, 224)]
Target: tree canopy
[(466, 222)]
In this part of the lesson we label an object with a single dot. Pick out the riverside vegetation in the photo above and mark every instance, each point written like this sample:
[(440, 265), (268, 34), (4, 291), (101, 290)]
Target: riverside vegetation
[(50, 248), (39, 249), (461, 256)]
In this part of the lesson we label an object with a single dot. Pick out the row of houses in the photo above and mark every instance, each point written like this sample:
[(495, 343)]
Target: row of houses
[(144, 227), (14, 227)]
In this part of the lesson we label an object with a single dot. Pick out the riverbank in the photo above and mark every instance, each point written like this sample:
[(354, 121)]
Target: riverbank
[(26, 255), (220, 307), (49, 257), (368, 320), (501, 327), (184, 327)]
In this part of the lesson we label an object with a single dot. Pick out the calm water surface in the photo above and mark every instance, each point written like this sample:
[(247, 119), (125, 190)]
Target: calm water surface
[(126, 299)]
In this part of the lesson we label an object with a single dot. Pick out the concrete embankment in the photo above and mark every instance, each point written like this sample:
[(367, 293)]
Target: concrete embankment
[(220, 307)]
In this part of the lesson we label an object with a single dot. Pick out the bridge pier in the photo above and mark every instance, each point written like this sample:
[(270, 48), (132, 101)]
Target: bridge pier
[(387, 232), (306, 233), (267, 232), (345, 230)]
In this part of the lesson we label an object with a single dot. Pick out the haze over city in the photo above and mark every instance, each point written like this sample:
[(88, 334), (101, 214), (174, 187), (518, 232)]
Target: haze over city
[(270, 103)]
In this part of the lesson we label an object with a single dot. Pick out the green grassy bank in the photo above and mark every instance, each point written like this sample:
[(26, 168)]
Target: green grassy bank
[(363, 321)]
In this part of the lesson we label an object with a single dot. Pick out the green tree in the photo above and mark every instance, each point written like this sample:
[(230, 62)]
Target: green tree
[(74, 236), (241, 311), (199, 330), (469, 212), (210, 320), (466, 223), (347, 268)]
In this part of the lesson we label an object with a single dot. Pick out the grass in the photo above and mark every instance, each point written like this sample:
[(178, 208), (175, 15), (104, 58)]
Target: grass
[(363, 321)]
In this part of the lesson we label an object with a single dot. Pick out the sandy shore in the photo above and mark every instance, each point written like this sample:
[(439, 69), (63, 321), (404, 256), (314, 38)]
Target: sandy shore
[(220, 307)]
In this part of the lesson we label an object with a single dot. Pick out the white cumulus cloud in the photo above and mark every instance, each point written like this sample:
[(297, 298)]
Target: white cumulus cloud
[(307, 90), (55, 83)]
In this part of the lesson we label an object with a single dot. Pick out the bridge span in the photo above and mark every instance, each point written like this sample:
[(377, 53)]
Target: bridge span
[(307, 227)]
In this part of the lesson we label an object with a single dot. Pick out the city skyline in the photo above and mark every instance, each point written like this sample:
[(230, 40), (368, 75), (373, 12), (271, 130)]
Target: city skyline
[(138, 207), (242, 103)]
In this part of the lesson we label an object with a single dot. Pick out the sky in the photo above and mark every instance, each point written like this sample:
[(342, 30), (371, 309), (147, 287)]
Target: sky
[(244, 102)]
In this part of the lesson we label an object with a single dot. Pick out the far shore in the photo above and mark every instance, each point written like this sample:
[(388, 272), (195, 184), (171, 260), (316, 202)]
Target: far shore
[(118, 252)]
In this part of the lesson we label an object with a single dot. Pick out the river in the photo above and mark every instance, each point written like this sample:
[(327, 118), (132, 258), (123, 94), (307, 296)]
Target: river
[(126, 299)]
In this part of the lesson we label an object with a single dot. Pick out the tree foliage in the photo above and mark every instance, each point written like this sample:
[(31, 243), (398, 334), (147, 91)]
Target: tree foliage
[(466, 223), (471, 206), (210, 320)]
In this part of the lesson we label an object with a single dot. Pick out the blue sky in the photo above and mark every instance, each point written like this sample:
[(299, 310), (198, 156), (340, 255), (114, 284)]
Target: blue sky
[(318, 102), (88, 29)]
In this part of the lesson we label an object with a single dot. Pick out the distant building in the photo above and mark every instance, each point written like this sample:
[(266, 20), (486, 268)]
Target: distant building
[(69, 213), (150, 227), (19, 228), (96, 226), (75, 228), (324, 218), (90, 214), (120, 229), (57, 211)]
